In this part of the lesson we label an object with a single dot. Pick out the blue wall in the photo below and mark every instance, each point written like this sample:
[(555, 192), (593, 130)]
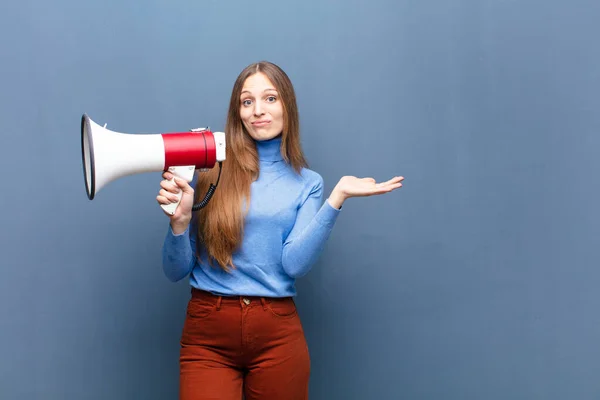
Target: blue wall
[(478, 280)]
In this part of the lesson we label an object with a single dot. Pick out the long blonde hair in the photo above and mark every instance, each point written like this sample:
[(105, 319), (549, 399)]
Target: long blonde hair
[(220, 225)]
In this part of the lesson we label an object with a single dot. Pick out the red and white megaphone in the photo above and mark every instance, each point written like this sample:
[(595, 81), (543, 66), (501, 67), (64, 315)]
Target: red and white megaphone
[(109, 155)]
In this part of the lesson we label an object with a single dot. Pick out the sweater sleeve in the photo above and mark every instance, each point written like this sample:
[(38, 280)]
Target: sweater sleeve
[(312, 228), (178, 254)]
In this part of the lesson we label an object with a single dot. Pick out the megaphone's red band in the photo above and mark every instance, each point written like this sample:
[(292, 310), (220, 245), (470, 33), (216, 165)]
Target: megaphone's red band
[(190, 148)]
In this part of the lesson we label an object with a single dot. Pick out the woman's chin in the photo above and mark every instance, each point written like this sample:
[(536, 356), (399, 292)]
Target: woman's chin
[(262, 136)]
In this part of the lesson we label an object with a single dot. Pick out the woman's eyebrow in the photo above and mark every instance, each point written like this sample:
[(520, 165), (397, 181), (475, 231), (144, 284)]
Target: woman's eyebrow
[(266, 90)]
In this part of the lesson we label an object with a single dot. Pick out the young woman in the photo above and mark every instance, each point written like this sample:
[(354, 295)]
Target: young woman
[(264, 227)]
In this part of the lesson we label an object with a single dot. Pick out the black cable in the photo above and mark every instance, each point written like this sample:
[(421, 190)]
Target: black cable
[(210, 192)]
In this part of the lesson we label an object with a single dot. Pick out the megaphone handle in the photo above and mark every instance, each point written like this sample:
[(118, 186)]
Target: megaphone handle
[(171, 207), (185, 172)]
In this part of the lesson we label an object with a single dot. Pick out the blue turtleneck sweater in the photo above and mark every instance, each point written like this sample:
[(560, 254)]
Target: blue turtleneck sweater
[(285, 230)]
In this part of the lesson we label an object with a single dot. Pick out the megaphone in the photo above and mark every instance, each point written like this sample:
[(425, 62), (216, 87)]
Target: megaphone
[(109, 155)]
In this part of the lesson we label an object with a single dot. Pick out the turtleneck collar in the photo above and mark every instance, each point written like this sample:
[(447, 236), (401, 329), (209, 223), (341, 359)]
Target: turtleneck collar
[(269, 150)]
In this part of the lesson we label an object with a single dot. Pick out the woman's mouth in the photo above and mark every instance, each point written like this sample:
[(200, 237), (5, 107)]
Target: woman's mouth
[(261, 123)]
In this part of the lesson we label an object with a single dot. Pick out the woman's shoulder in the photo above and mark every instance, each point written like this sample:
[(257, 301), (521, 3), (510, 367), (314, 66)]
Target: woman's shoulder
[(311, 178)]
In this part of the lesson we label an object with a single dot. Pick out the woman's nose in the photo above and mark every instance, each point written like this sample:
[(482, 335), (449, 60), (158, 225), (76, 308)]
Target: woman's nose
[(258, 109)]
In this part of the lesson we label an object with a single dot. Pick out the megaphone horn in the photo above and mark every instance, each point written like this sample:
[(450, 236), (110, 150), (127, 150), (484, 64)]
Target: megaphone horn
[(109, 155)]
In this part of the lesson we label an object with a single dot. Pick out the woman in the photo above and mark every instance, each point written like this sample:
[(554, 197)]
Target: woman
[(264, 227)]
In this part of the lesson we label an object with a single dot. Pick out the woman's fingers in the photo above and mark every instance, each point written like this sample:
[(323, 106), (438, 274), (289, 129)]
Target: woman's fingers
[(394, 181), (168, 196), (169, 186), (173, 183), (181, 184), (389, 185), (162, 200)]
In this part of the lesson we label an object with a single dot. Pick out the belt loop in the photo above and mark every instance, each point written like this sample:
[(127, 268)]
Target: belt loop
[(219, 302), (263, 302)]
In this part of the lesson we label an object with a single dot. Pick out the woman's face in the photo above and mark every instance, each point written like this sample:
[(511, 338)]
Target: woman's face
[(261, 109)]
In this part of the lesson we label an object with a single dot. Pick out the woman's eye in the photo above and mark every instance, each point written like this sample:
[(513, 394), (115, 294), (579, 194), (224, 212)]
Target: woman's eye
[(271, 99), (246, 102)]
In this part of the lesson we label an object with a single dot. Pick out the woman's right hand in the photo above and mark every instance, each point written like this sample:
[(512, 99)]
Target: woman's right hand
[(183, 214)]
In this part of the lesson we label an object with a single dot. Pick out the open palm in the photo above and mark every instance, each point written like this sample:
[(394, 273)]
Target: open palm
[(351, 186)]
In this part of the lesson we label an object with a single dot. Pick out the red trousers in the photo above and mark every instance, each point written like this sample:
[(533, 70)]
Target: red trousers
[(243, 345)]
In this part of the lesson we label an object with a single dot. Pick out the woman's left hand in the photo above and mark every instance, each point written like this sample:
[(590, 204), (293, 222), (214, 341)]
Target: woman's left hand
[(351, 186)]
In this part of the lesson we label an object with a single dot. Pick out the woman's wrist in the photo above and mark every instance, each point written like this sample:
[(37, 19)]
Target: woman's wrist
[(178, 227), (336, 198)]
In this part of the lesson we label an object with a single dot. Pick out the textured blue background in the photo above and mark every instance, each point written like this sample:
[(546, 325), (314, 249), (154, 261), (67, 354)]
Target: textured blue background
[(478, 280)]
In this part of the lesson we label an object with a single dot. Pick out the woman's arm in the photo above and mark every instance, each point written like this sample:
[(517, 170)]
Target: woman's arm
[(179, 245), (312, 228), (178, 254), (315, 221)]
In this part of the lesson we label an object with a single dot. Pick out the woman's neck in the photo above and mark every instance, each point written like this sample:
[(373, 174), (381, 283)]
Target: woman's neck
[(269, 150)]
